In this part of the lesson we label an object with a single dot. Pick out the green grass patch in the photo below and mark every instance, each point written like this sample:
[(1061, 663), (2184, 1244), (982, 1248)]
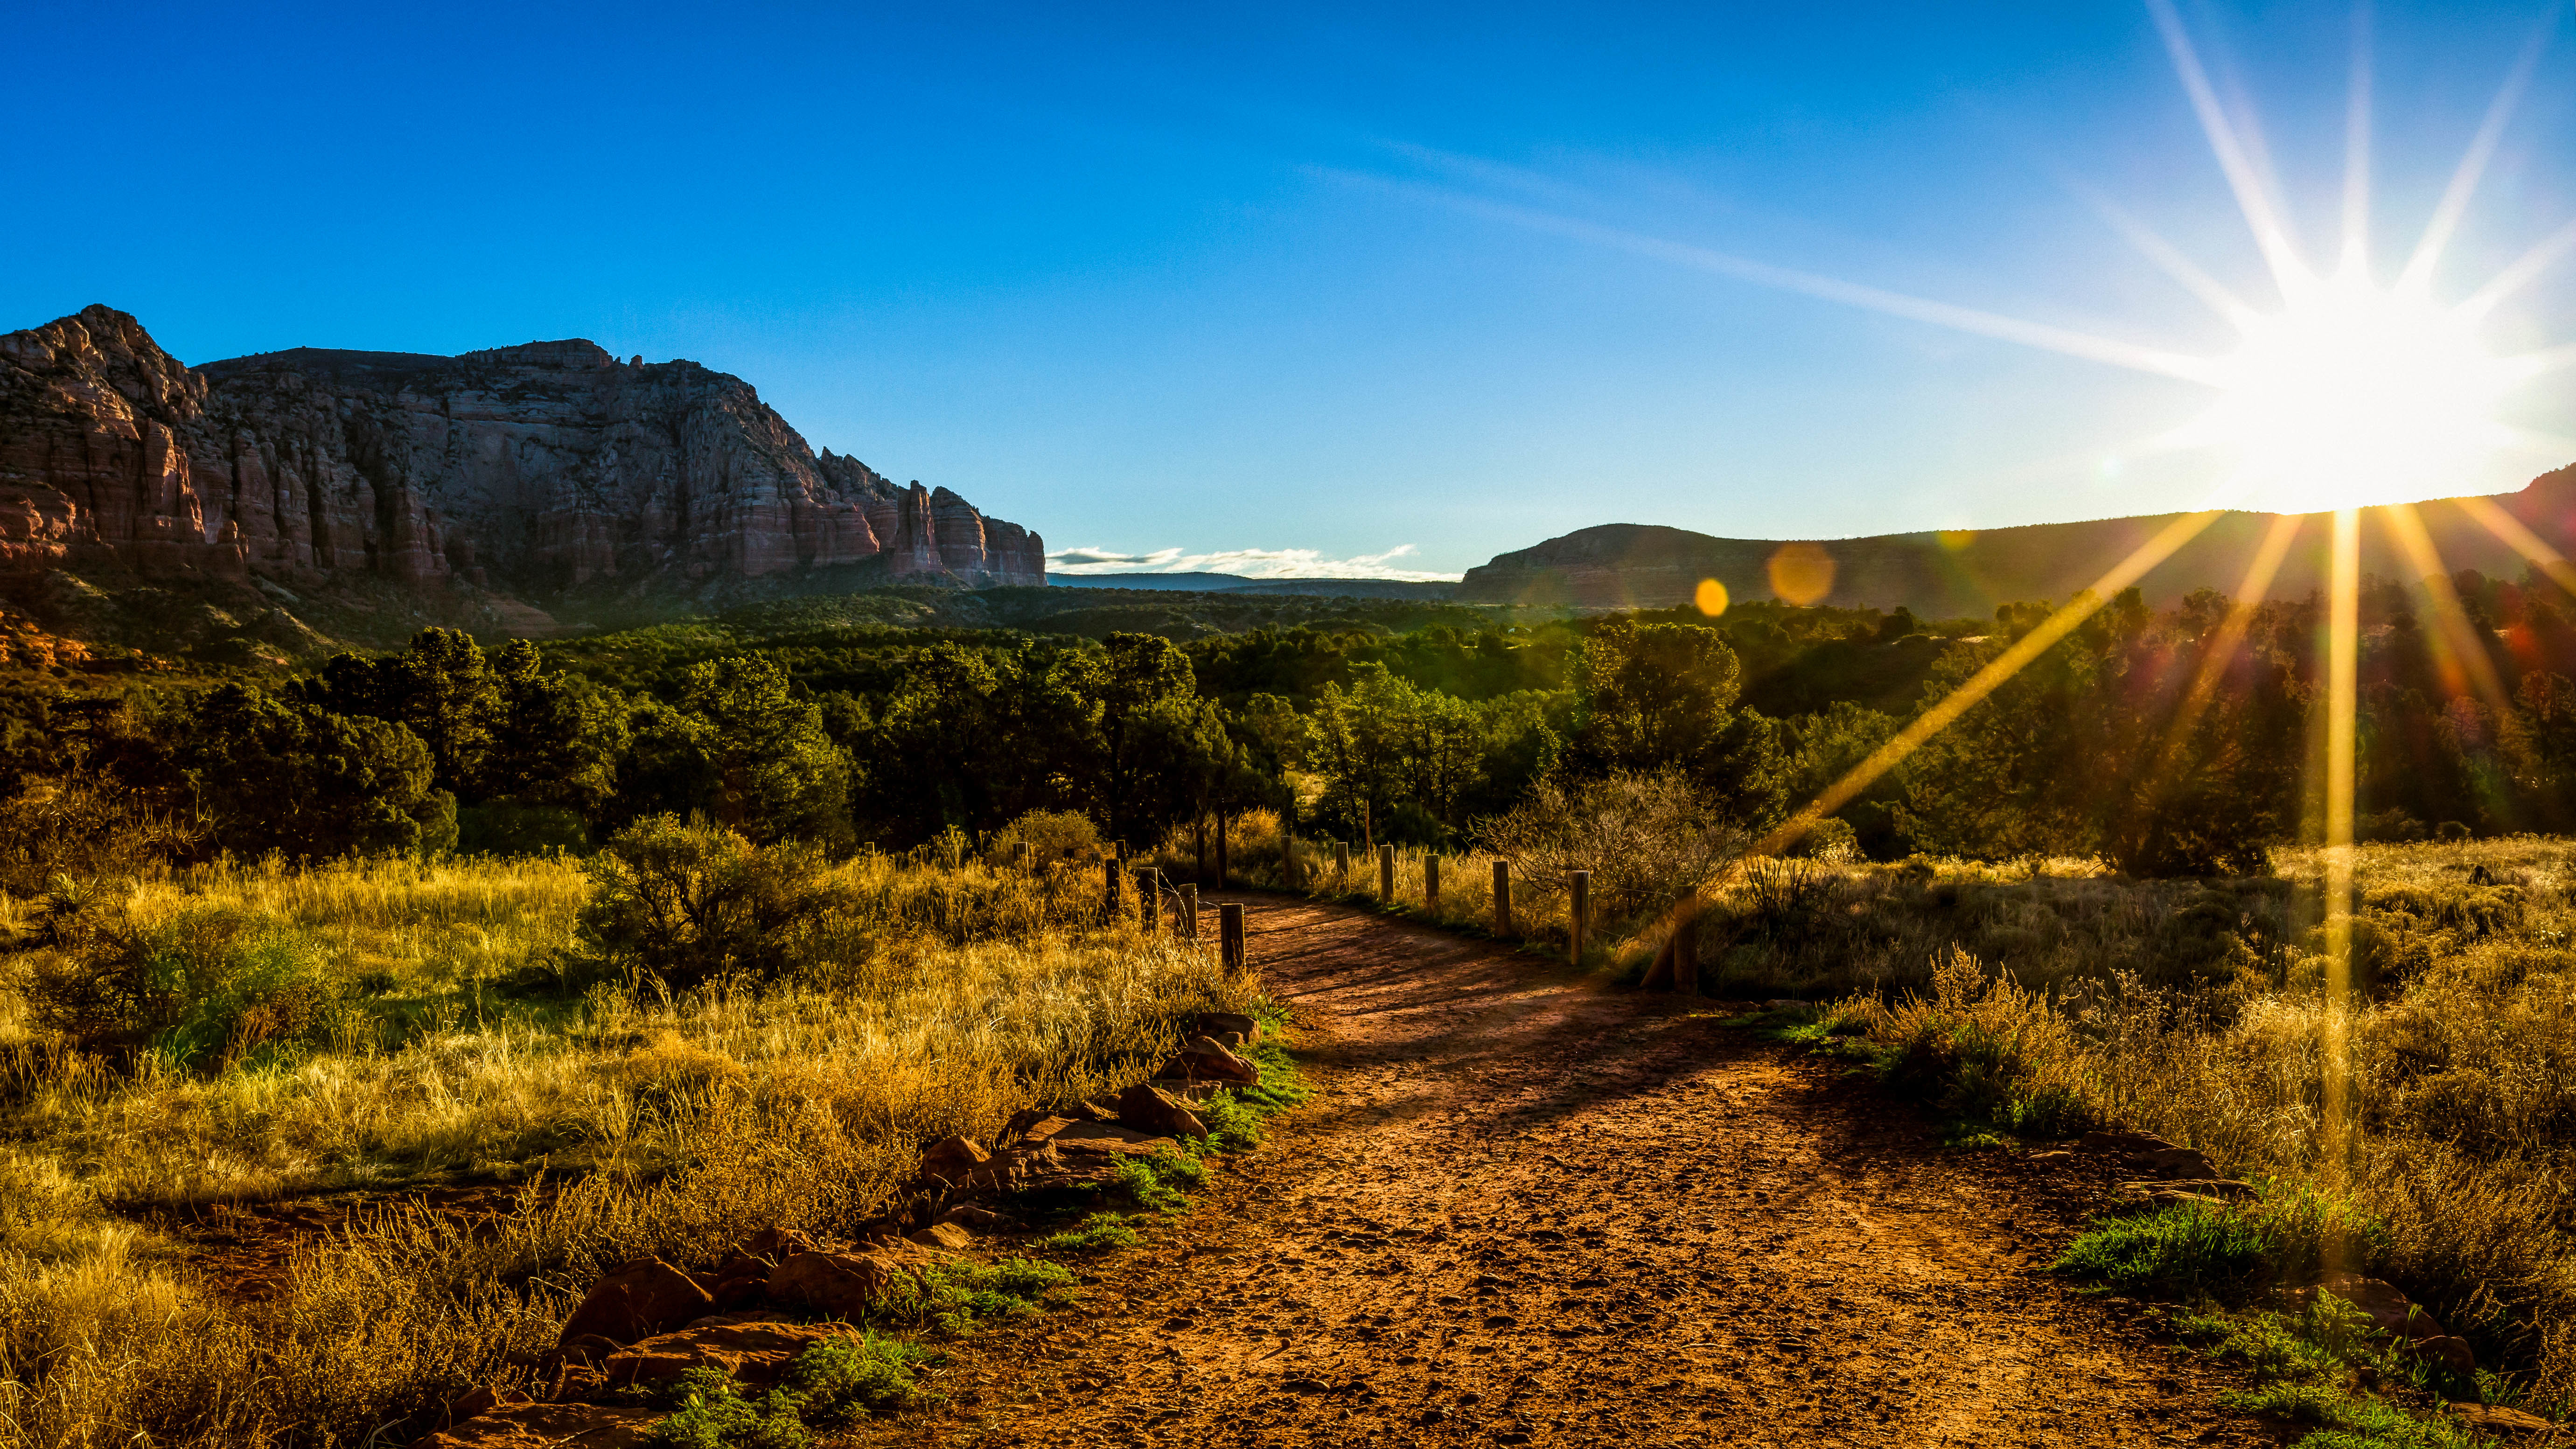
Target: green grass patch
[(831, 1385), (2343, 1421), (951, 1298), (1097, 1233), (2183, 1247)]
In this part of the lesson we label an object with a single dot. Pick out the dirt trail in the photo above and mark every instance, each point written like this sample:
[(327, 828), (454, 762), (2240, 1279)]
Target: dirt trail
[(1523, 1209)]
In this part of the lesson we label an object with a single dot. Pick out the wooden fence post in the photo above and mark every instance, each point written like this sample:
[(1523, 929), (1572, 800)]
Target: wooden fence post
[(1502, 898), (1229, 937), (1431, 885), (1190, 911), (1342, 863), (1386, 875), (1220, 850), (1109, 901), (1149, 902), (1581, 882)]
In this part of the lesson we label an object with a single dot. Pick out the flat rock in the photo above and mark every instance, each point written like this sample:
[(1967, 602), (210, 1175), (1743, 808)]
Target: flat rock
[(550, 1426), (1068, 1136), (756, 1350), (2497, 1419), (951, 1237)]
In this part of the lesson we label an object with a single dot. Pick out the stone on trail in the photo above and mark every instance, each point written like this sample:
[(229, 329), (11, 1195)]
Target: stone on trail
[(1144, 1107), (982, 1219), (1205, 1059), (637, 1300), (844, 1284), (551, 1426), (950, 1236)]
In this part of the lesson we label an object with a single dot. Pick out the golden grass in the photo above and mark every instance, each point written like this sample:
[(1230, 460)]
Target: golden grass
[(941, 1001), (2462, 1061)]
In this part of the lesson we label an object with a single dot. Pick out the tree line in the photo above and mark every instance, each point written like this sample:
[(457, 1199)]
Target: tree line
[(2181, 741)]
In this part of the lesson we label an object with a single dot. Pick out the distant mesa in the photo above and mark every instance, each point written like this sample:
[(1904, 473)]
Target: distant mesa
[(1958, 573), (1213, 583), (537, 472)]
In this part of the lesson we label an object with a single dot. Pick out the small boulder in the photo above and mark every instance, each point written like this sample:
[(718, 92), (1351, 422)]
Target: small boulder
[(2450, 1351), (637, 1300), (950, 1236), (1149, 1110), (2390, 1311), (1203, 1059), (844, 1284), (769, 1246), (953, 1159), (1221, 1024)]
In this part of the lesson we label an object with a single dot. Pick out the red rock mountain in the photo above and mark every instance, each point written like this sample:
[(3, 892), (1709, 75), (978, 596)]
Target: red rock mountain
[(531, 472)]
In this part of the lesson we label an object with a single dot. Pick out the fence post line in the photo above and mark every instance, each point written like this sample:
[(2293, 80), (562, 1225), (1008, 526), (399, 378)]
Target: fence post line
[(1386, 875), (1220, 850), (1430, 885), (1149, 901), (1342, 863), (1229, 936), (1190, 911), (1581, 882), (1502, 898)]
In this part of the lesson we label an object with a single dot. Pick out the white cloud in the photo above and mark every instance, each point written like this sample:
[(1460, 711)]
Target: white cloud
[(1250, 563)]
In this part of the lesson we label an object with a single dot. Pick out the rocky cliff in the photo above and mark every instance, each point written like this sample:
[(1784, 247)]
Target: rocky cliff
[(1963, 573), (541, 471)]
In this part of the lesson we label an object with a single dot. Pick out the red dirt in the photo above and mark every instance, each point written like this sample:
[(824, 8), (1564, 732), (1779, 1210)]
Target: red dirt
[(1523, 1205)]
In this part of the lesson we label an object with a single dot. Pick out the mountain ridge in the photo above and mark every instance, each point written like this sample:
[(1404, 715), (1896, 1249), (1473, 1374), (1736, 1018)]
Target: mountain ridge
[(1960, 572)]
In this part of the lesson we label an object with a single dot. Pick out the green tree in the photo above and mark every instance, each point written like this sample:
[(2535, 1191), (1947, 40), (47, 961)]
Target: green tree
[(284, 775)]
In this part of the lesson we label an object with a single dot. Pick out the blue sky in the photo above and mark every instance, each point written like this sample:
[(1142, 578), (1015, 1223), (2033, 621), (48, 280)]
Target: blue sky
[(1284, 288)]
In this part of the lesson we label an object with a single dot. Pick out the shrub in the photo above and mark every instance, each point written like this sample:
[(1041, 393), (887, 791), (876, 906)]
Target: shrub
[(1051, 837), (686, 904), (201, 988), (1647, 838)]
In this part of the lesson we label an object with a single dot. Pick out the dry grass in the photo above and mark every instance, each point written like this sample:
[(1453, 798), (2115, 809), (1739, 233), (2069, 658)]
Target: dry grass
[(938, 1001), (2460, 1128)]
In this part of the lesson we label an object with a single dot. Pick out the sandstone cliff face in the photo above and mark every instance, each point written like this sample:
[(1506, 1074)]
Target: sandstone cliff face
[(534, 470)]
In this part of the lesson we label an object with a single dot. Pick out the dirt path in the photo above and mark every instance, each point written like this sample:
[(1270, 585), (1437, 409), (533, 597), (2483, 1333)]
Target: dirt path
[(1525, 1210)]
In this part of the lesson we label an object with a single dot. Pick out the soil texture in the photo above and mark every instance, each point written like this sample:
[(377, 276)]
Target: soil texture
[(1524, 1208)]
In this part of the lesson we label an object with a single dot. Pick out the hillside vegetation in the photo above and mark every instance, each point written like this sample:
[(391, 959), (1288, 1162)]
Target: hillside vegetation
[(681, 931)]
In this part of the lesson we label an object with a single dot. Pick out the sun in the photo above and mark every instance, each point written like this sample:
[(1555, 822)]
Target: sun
[(2354, 394)]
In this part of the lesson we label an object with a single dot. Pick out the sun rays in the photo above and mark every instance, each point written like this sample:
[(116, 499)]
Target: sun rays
[(2343, 392)]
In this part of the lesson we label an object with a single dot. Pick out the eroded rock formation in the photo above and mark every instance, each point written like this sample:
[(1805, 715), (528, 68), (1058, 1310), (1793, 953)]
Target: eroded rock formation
[(532, 470)]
